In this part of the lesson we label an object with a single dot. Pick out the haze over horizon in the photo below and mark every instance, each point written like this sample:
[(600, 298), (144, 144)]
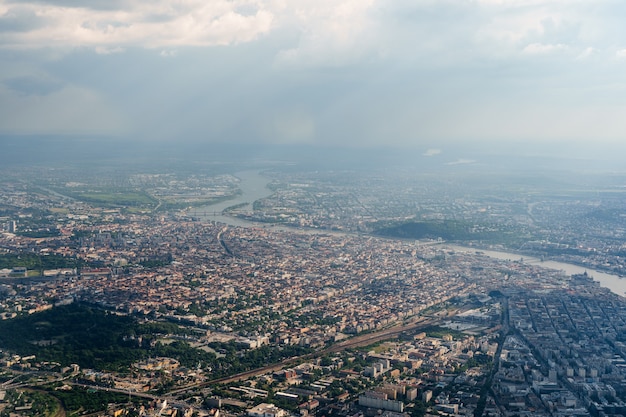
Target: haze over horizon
[(522, 76)]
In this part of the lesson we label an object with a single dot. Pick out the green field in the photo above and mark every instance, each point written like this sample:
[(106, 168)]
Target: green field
[(93, 338), (117, 199)]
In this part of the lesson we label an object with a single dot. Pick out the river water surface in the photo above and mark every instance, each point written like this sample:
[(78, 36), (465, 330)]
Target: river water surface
[(613, 282), (253, 187)]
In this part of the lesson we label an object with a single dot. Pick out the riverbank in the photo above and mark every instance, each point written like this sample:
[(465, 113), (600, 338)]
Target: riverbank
[(615, 283), (254, 186)]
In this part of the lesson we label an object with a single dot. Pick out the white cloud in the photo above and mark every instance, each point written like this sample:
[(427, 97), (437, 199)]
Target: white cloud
[(148, 24), (332, 32), (319, 70), (167, 53), (586, 53), (432, 152), (329, 32), (106, 50), (461, 161), (540, 48)]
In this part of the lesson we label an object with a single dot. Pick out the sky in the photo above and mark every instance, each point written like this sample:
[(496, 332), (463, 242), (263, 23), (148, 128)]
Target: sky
[(354, 73)]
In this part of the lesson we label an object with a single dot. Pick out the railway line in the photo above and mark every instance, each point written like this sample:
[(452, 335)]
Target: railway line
[(358, 341)]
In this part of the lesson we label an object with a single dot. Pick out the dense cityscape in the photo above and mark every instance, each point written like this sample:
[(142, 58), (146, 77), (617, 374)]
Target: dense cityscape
[(344, 293), (310, 208), (292, 208)]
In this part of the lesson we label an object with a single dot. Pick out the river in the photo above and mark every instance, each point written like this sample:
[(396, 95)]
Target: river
[(253, 187), (613, 282)]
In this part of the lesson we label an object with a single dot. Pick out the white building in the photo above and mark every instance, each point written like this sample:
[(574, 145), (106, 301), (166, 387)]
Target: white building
[(266, 410)]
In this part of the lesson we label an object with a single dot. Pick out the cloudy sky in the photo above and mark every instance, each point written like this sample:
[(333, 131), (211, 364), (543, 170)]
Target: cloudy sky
[(352, 72)]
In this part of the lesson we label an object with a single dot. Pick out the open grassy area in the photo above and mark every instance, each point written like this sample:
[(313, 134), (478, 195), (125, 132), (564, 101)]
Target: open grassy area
[(122, 198), (60, 210)]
